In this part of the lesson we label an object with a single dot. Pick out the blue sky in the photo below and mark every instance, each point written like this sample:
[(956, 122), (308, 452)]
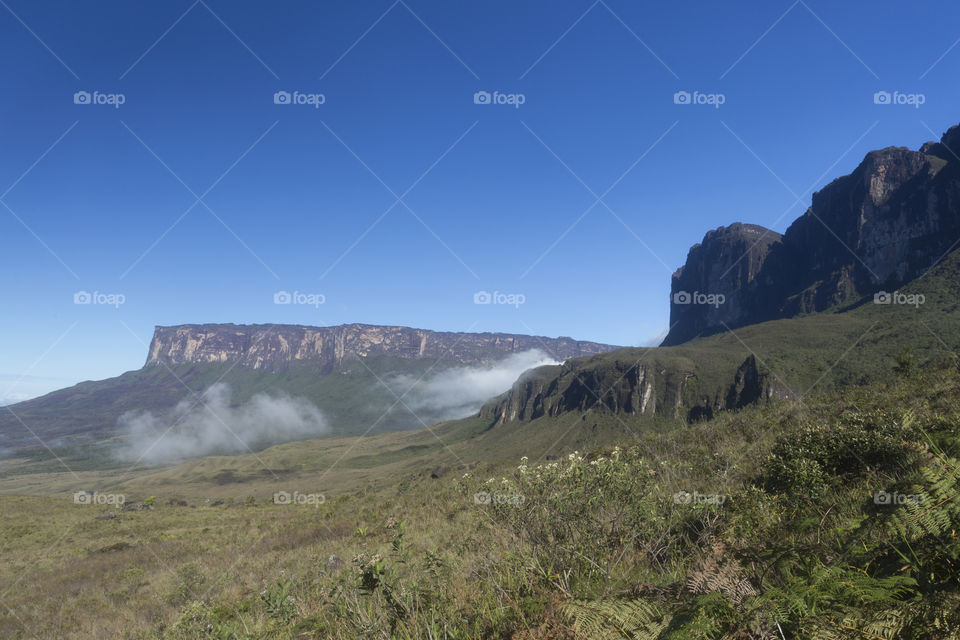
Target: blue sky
[(397, 199)]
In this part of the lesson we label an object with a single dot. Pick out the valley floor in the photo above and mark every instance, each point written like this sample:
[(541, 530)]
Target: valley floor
[(831, 518)]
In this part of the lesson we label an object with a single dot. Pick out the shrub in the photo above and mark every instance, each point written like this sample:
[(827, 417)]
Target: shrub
[(802, 463), (187, 585), (580, 515)]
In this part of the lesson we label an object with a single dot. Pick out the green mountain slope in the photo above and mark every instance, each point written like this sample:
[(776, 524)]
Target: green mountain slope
[(777, 359)]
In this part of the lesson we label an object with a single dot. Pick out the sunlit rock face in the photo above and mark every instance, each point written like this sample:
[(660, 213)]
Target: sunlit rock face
[(273, 347)]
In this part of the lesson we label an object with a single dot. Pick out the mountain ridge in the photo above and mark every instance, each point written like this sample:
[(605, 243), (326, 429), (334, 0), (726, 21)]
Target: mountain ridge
[(877, 228), (271, 347), (747, 308)]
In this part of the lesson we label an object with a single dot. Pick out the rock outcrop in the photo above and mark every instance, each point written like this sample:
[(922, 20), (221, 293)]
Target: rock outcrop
[(273, 347), (627, 386), (640, 384), (713, 288), (881, 226)]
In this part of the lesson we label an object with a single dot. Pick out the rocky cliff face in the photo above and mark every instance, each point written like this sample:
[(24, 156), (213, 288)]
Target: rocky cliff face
[(640, 389), (877, 228), (712, 289), (273, 347), (635, 384)]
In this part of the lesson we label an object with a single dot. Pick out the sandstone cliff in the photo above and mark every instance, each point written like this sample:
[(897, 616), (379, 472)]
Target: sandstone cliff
[(272, 347)]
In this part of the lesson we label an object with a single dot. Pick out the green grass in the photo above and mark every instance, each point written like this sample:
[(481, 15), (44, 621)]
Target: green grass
[(589, 546), (757, 523)]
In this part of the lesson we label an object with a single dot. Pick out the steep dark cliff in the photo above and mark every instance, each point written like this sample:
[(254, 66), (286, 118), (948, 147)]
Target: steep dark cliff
[(875, 229), (636, 382), (272, 347), (713, 287)]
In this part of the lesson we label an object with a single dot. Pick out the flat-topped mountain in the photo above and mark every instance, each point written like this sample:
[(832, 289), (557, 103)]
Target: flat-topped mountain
[(877, 228), (354, 373), (272, 347)]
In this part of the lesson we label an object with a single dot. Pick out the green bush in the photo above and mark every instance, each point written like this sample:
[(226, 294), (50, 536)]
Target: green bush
[(857, 443), (187, 584), (579, 515)]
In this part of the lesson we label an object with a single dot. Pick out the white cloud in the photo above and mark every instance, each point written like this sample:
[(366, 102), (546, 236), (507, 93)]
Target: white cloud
[(212, 425), (461, 391)]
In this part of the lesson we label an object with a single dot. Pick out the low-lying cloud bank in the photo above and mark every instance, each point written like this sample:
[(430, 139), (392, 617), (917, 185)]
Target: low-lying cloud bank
[(212, 426), (461, 391)]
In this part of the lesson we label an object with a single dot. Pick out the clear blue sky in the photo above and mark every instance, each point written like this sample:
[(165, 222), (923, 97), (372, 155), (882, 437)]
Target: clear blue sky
[(301, 196)]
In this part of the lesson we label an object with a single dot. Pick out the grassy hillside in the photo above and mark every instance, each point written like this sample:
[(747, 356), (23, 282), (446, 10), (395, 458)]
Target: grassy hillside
[(829, 512), (852, 345), (755, 524)]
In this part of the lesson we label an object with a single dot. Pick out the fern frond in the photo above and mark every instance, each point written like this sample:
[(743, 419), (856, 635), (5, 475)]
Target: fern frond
[(614, 619), (719, 572)]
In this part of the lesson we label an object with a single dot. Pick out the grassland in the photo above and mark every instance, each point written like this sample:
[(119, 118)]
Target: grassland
[(559, 548)]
